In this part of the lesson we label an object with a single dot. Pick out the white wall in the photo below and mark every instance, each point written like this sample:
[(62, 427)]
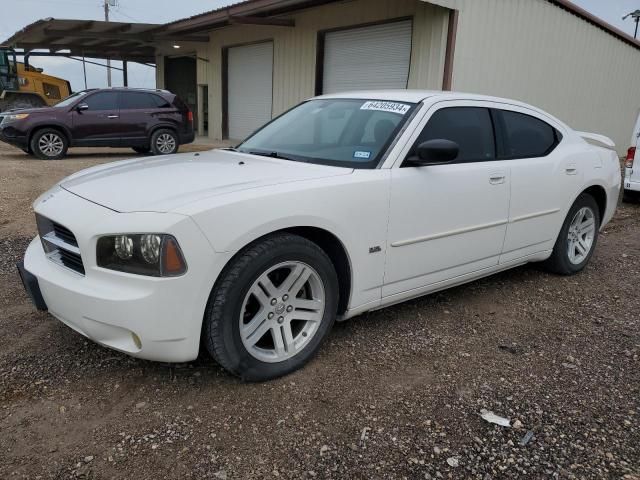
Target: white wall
[(534, 51), (295, 49)]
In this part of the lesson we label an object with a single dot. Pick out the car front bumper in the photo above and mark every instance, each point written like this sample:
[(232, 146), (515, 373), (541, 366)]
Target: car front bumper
[(14, 137), (146, 317)]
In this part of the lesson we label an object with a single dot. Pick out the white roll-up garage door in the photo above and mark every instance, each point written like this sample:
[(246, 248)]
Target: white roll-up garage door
[(249, 88), (367, 58)]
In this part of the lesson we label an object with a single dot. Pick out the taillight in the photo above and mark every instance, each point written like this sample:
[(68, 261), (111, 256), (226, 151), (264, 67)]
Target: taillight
[(190, 116), (631, 154)]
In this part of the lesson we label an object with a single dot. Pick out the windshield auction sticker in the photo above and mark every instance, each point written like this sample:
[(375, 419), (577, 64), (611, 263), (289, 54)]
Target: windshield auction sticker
[(393, 107)]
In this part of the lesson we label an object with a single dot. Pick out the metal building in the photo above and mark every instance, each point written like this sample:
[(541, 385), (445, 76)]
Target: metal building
[(264, 56)]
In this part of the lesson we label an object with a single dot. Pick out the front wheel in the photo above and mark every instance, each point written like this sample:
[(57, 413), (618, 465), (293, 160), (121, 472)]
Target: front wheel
[(164, 142), (578, 237), (49, 144), (271, 308)]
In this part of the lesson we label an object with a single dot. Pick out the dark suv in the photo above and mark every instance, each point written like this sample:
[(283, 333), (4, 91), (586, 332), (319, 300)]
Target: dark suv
[(153, 121)]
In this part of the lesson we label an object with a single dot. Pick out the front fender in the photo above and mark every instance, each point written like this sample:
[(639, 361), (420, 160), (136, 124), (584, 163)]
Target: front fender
[(49, 123)]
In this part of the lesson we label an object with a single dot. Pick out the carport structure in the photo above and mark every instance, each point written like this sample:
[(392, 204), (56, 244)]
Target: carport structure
[(127, 42)]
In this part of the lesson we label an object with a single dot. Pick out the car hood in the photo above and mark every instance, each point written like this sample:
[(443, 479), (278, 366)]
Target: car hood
[(29, 110), (161, 184)]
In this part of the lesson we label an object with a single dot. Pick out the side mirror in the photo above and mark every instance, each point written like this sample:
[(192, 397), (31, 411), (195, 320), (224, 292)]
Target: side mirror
[(82, 106), (434, 152)]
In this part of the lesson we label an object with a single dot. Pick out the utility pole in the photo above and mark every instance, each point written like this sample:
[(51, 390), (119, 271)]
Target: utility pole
[(106, 19), (84, 69), (636, 18)]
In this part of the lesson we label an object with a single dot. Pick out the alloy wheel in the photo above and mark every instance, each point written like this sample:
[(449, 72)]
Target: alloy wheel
[(166, 143), (282, 311), (51, 144), (581, 235)]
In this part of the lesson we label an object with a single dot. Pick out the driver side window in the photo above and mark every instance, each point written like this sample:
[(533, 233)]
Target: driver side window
[(102, 101), (470, 127)]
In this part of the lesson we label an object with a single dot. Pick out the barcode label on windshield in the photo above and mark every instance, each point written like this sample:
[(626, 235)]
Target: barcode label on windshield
[(393, 107)]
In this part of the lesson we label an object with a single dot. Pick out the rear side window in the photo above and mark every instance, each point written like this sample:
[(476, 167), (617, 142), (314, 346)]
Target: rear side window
[(103, 101), (527, 136), (159, 101), (139, 101), (470, 127)]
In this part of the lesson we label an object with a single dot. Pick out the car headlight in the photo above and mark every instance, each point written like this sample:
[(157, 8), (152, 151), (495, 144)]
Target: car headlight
[(153, 254), (15, 116)]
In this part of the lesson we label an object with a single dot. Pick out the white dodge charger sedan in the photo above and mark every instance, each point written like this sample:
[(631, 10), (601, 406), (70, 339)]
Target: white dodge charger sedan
[(345, 204)]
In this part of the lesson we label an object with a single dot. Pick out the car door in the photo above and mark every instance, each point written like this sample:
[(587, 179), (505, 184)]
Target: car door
[(96, 120), (545, 176), (447, 220), (138, 113)]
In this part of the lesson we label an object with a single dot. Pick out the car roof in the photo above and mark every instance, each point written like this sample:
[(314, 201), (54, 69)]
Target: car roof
[(415, 96), (130, 89)]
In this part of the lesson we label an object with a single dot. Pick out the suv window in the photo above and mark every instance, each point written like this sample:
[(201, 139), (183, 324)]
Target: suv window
[(527, 136), (140, 100), (103, 101), (470, 127)]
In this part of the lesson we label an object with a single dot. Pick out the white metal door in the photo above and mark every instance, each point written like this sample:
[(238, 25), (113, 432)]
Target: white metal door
[(250, 88), (367, 58), (541, 191), (446, 220)]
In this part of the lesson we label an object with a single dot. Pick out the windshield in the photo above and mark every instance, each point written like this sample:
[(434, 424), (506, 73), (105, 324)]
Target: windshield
[(70, 99), (340, 132)]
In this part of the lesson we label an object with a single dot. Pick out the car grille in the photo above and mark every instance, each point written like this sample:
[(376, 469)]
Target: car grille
[(60, 244)]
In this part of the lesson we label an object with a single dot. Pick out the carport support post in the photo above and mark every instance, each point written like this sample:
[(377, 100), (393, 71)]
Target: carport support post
[(125, 73)]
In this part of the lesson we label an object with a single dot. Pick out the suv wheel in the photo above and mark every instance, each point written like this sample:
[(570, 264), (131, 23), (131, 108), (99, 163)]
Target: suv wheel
[(49, 144), (578, 237), (164, 142), (271, 308)]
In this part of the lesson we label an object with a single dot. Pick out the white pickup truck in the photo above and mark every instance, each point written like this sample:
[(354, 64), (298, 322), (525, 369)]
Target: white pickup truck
[(632, 166)]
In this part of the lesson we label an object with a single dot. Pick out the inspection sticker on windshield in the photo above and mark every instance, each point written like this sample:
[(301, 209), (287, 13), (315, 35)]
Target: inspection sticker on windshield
[(393, 107), (362, 154)]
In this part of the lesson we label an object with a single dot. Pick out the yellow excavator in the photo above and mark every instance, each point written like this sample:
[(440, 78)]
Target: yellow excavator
[(24, 86)]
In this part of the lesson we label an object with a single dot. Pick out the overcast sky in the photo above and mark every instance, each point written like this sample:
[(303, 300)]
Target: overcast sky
[(16, 14)]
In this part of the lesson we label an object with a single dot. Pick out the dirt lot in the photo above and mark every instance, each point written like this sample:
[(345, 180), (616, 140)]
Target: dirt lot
[(393, 394)]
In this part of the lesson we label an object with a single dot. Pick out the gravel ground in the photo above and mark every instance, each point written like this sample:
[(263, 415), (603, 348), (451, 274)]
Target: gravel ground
[(393, 394)]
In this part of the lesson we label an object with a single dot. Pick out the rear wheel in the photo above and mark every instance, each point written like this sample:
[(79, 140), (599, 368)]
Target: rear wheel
[(164, 142), (49, 144), (578, 237), (271, 308)]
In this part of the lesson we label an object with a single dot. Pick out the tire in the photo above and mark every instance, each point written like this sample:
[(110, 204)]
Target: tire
[(562, 261), (49, 144), (164, 142), (141, 150), (254, 354)]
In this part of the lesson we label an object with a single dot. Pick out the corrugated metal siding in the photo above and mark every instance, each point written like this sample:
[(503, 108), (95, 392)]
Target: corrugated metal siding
[(202, 65), (534, 51), (294, 56)]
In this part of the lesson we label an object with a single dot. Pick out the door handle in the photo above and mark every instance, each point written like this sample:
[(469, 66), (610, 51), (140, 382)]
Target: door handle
[(497, 178), (113, 116)]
